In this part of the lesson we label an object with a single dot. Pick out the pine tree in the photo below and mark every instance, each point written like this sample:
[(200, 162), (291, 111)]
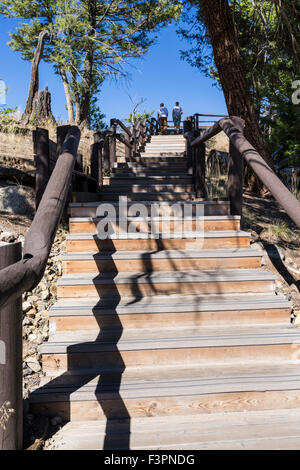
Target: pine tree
[(88, 40)]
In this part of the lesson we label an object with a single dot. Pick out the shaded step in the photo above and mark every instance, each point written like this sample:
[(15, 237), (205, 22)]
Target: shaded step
[(157, 158), (149, 172), (182, 189), (135, 179), (173, 310), (166, 207), (145, 261), (209, 223), (141, 284), (156, 164), (161, 241), (150, 196), (253, 430), (168, 138), (81, 196), (164, 149), (154, 155)]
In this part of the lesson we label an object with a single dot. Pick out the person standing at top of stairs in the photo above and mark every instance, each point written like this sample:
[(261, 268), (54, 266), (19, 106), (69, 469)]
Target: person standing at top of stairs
[(162, 116), (176, 115)]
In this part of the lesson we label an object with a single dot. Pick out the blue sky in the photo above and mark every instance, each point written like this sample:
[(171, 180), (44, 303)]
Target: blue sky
[(160, 76)]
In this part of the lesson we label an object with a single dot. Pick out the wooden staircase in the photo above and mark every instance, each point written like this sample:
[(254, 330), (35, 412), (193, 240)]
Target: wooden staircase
[(153, 338)]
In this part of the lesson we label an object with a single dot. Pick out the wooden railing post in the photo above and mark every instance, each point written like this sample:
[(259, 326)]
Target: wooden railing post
[(127, 149), (199, 171), (134, 138), (112, 144), (106, 152), (11, 409), (61, 134), (79, 162), (235, 174), (96, 158), (41, 151), (188, 129)]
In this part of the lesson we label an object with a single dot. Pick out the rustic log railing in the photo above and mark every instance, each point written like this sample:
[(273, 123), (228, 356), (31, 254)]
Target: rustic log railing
[(19, 274), (134, 138), (240, 150), (27, 273)]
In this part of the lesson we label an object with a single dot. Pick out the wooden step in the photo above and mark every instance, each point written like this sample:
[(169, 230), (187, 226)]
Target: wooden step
[(173, 310), (145, 261), (180, 347), (182, 189), (82, 196), (169, 150), (158, 159), (79, 242), (207, 223), (177, 143), (171, 391), (252, 430), (164, 149), (154, 155), (150, 172), (135, 179), (89, 209), (214, 372), (155, 165), (150, 196), (167, 138), (141, 284)]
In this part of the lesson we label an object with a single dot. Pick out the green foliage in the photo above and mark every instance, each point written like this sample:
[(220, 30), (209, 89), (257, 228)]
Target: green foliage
[(8, 122), (138, 116), (88, 39), (95, 119), (269, 36), (280, 231)]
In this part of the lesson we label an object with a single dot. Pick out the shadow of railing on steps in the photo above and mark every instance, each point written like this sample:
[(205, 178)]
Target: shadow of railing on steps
[(102, 368)]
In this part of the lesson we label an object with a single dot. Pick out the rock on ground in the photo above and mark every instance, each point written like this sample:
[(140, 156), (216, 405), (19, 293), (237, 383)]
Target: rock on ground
[(17, 200)]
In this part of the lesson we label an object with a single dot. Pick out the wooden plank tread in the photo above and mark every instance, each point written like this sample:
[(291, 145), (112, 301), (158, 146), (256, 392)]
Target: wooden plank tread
[(193, 383), (163, 235), (216, 218), (227, 275), (169, 338), (170, 303), (167, 203), (253, 430), (164, 254)]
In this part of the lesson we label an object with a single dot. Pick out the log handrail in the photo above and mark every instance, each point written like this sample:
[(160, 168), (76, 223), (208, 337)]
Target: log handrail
[(117, 122), (27, 273), (121, 139), (241, 149), (134, 138)]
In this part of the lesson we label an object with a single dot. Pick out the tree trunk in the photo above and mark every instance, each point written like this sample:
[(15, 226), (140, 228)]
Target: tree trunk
[(85, 104), (221, 29), (76, 98), (41, 108), (34, 79), (69, 100)]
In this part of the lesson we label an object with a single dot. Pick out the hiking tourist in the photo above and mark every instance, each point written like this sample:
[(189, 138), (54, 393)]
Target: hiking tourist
[(176, 114), (162, 116)]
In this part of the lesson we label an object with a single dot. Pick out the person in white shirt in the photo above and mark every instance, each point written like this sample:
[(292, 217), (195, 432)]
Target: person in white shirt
[(176, 114), (162, 115)]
